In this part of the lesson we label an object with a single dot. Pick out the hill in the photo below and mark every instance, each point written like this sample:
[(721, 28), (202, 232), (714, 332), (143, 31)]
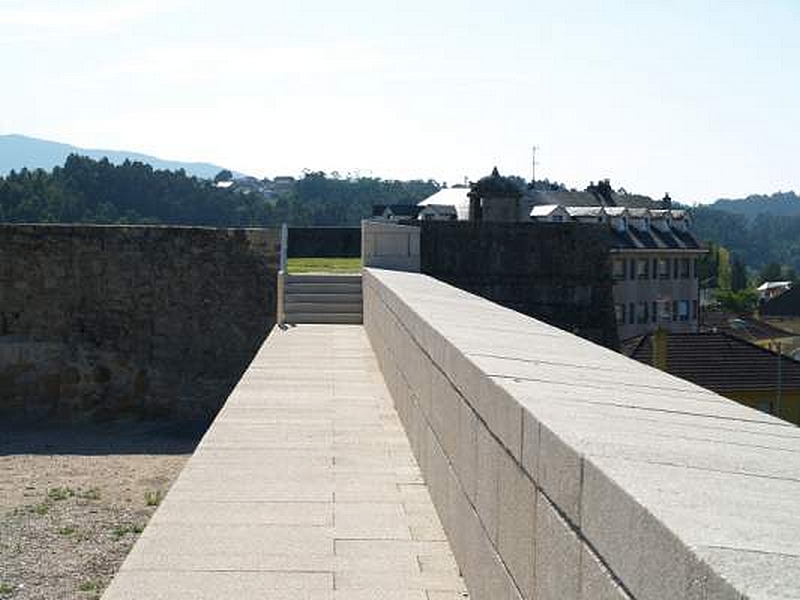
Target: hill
[(19, 151), (781, 204)]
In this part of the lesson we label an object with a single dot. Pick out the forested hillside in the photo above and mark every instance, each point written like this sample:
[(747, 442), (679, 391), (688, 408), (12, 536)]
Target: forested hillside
[(90, 191), (780, 204), (758, 241)]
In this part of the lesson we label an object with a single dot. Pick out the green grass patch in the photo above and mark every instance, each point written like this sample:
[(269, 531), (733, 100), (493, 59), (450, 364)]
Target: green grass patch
[(6, 589), (92, 588), (60, 493), (90, 494), (41, 509), (121, 531), (153, 498), (66, 530), (297, 266)]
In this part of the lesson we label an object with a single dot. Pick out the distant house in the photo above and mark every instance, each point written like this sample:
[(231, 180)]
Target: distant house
[(550, 213), (400, 213), (783, 311), (455, 196), (772, 289), (728, 365), (437, 212)]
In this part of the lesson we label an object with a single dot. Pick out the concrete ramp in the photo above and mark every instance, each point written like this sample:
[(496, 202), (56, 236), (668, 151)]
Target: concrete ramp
[(304, 488)]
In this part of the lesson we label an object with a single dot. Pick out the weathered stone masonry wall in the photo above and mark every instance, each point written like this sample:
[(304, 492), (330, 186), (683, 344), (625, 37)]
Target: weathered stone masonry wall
[(565, 471), (106, 321), (556, 272)]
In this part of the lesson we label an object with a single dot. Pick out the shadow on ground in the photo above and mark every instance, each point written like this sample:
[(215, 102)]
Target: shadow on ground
[(93, 439)]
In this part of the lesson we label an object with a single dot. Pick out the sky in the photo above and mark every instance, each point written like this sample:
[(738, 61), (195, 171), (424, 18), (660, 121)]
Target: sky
[(698, 98)]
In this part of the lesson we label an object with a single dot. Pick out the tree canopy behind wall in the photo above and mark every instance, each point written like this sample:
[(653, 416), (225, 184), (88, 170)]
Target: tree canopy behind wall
[(90, 191)]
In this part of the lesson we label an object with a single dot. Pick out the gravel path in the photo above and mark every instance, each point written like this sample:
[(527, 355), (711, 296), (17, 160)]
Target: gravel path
[(73, 499)]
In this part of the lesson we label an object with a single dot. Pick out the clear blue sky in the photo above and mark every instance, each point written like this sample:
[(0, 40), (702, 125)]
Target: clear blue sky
[(698, 98)]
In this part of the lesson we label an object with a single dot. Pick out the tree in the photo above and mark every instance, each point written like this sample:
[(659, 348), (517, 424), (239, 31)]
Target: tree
[(224, 175), (770, 272), (723, 269), (744, 301), (738, 275)]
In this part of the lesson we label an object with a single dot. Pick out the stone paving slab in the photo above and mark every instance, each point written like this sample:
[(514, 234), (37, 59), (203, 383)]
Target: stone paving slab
[(303, 488)]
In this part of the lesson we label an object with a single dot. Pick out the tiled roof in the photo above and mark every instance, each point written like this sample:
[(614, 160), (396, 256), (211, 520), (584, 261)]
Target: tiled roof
[(743, 326), (720, 362), (571, 198), (654, 239)]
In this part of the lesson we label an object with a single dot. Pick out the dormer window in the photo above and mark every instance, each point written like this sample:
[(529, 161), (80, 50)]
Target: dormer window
[(646, 224)]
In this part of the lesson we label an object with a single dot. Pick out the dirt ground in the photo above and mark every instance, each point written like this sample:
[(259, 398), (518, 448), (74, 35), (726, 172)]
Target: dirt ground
[(73, 499)]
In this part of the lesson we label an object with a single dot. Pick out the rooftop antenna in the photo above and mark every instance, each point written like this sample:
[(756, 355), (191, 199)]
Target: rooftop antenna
[(533, 164)]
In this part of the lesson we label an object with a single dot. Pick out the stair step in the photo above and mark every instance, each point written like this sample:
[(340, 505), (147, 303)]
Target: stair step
[(301, 297), (323, 288), (323, 307), (354, 279), (343, 318)]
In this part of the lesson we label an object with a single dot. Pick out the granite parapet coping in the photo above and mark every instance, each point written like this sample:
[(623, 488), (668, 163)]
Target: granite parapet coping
[(656, 487)]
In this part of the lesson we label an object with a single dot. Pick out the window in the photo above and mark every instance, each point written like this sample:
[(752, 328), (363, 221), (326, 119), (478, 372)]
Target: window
[(631, 313), (663, 268), (674, 310), (557, 218), (674, 268), (685, 268), (618, 268), (666, 311), (654, 315), (642, 268), (632, 263), (619, 309), (646, 224), (643, 315), (683, 310), (694, 310)]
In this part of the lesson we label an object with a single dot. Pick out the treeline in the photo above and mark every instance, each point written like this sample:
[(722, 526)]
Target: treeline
[(90, 191), (759, 241)]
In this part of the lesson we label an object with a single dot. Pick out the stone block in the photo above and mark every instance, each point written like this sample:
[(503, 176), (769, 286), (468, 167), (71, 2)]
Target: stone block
[(465, 461), (559, 473), (597, 583), (530, 444), (517, 524), (488, 481), (558, 555)]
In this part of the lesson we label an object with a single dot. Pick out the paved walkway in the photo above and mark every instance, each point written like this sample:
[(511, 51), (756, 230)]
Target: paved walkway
[(303, 488)]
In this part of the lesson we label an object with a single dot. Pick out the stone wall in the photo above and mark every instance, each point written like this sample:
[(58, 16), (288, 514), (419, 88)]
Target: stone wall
[(324, 242), (564, 471), (390, 246), (107, 321), (557, 272)]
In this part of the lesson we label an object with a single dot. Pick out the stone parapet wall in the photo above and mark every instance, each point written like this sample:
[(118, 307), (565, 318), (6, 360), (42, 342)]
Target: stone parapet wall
[(563, 471), (102, 321), (390, 245)]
